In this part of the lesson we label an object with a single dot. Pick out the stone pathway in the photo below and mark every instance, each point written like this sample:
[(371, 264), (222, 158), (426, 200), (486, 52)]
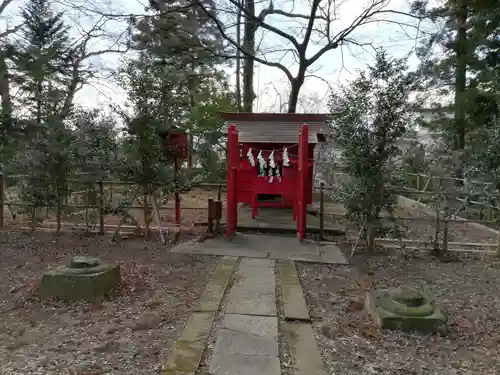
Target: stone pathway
[(247, 341), (246, 336)]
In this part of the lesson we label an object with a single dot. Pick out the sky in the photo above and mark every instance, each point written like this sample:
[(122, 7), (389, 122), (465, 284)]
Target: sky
[(333, 69)]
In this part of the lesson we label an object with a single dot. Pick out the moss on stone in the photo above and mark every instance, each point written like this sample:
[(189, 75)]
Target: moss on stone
[(80, 283), (406, 310)]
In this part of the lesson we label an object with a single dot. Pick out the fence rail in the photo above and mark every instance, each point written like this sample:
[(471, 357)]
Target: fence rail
[(445, 215), (100, 205)]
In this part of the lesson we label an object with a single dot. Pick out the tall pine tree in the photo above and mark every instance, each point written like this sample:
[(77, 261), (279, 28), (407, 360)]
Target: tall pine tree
[(42, 64), (42, 59), (470, 41), (185, 46)]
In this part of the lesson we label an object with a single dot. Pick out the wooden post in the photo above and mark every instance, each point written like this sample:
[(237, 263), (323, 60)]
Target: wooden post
[(445, 223), (303, 173), (418, 181), (2, 201), (232, 176), (177, 196), (498, 239), (101, 207), (211, 215), (58, 208), (321, 210), (218, 215), (438, 221), (146, 212), (236, 165)]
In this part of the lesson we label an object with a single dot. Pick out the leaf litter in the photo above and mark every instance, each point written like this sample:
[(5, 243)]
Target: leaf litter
[(466, 289), (127, 333)]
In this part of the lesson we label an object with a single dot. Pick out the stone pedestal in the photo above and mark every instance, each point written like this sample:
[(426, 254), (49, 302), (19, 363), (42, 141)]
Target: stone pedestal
[(84, 279), (405, 310)]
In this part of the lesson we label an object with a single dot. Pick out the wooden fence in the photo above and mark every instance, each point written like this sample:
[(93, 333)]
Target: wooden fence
[(100, 206)]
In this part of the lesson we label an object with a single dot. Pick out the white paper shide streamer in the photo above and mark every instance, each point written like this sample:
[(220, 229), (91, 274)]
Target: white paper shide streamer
[(272, 165), (250, 157), (262, 163), (286, 160), (272, 162)]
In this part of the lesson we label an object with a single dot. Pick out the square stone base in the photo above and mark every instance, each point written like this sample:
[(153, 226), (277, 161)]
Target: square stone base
[(434, 323), (59, 284)]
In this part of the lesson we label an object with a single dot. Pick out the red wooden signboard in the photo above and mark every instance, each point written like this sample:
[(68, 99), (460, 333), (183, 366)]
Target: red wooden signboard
[(176, 145)]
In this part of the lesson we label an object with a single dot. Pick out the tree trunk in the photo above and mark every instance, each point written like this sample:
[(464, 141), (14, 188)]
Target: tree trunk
[(248, 63), (192, 104), (295, 87), (238, 59), (38, 98), (460, 74), (5, 93), (370, 237)]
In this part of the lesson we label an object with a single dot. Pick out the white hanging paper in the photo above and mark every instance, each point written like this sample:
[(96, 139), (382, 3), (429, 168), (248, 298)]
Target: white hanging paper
[(250, 157), (272, 162), (278, 174), (271, 175), (262, 163), (286, 160)]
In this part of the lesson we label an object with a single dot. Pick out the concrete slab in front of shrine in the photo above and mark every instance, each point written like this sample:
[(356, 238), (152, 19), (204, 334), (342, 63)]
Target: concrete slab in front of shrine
[(265, 246), (279, 220)]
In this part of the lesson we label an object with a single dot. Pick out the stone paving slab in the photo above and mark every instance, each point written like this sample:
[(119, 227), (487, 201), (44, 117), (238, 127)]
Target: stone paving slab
[(280, 220), (259, 326), (304, 352), (212, 296), (178, 373), (244, 365), (187, 351), (331, 253), (298, 258), (254, 290), (248, 335), (231, 343), (198, 326), (294, 304), (185, 356), (216, 246), (252, 300), (266, 246), (249, 264)]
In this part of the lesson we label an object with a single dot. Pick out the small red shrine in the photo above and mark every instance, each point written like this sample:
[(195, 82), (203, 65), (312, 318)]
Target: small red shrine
[(270, 162)]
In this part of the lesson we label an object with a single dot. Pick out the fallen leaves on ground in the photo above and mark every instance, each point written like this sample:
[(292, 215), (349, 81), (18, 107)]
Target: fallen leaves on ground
[(352, 345), (127, 333)]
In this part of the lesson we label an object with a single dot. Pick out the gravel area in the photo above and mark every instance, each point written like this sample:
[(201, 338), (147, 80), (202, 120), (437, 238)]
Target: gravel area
[(466, 289), (128, 333)]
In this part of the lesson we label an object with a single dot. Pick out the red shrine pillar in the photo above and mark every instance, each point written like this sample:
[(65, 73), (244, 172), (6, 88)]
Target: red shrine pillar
[(233, 159), (303, 165)]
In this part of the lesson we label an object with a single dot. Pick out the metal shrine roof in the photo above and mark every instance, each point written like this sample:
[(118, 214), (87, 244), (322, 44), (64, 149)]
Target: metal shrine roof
[(275, 127)]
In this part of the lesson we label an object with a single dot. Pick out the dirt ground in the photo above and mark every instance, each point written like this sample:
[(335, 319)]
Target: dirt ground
[(467, 290), (128, 333), (458, 232)]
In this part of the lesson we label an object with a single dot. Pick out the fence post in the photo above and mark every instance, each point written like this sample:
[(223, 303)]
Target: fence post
[(445, 223), (498, 239), (101, 207), (321, 211), (2, 201), (58, 207)]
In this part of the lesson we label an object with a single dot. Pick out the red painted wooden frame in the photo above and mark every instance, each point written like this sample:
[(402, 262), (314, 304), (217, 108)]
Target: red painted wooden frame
[(302, 182), (233, 158)]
